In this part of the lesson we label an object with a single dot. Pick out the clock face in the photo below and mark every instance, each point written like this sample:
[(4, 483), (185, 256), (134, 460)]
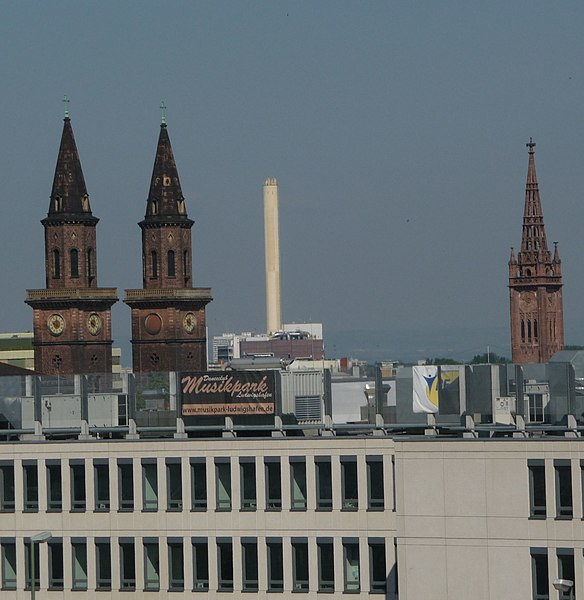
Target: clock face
[(189, 322), (528, 300), (94, 323), (56, 324)]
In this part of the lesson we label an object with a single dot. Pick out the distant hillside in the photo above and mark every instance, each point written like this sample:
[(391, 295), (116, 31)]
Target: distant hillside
[(409, 345)]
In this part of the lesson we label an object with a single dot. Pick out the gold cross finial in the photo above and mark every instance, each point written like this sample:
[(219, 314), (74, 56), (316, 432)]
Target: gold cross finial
[(163, 109), (66, 102), (530, 145)]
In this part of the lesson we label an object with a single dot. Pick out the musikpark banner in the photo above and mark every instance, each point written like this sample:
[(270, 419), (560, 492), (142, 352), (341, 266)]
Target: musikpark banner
[(225, 393)]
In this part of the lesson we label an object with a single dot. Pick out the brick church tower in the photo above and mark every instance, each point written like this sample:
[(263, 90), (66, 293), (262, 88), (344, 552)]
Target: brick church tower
[(72, 316), (168, 314), (535, 284)]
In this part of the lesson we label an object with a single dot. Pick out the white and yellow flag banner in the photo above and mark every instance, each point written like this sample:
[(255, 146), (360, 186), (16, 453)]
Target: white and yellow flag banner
[(425, 399)]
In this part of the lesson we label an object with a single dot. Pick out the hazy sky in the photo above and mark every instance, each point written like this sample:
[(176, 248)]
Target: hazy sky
[(396, 130)]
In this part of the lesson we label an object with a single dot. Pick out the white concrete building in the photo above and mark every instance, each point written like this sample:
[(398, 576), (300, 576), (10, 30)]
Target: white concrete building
[(218, 516), (464, 512)]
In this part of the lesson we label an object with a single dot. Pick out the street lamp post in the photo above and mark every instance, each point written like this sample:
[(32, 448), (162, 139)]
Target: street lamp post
[(564, 585), (39, 538)]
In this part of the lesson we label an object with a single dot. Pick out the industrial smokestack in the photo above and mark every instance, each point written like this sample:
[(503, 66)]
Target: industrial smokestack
[(271, 229)]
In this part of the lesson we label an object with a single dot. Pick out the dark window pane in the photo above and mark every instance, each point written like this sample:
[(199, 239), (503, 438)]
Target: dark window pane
[(225, 565), (103, 565), (324, 498), (377, 568), (200, 566), (326, 567), (539, 566), (248, 486), (174, 486), (176, 566), (350, 489), (537, 490), (199, 486), (127, 566), (300, 567), (126, 486), (7, 488), (273, 486), (564, 490), (54, 488), (375, 484), (275, 567), (250, 566)]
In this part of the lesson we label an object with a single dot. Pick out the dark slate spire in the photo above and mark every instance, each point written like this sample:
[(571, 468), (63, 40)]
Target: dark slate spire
[(69, 195), (165, 199)]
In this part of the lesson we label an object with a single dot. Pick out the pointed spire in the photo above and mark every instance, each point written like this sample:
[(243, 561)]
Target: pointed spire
[(557, 258), (512, 260), (533, 240), (69, 194), (531, 176), (165, 198)]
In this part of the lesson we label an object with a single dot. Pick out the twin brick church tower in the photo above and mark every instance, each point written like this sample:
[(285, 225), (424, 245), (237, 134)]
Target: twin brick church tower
[(72, 315)]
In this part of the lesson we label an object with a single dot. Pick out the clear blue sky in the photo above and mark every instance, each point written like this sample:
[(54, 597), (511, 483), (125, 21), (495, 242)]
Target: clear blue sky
[(396, 130)]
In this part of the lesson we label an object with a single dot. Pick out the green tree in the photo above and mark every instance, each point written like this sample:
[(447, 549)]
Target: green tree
[(490, 357), (442, 361)]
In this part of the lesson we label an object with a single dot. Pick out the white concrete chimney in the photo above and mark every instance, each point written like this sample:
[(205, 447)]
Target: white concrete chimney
[(272, 235)]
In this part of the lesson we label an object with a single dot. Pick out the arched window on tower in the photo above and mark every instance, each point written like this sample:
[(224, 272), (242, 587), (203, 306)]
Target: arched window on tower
[(170, 267), (186, 272), (529, 330), (535, 329), (89, 266), (154, 207), (56, 264), (522, 330), (154, 264), (74, 262)]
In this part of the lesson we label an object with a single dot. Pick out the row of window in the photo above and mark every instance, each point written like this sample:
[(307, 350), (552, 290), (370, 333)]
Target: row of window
[(170, 264), (529, 330), (73, 263), (564, 500), (540, 580), (173, 474), (172, 550)]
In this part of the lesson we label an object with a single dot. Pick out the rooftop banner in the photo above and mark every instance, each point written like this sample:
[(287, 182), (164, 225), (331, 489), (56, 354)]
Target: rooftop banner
[(218, 393), (425, 388)]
